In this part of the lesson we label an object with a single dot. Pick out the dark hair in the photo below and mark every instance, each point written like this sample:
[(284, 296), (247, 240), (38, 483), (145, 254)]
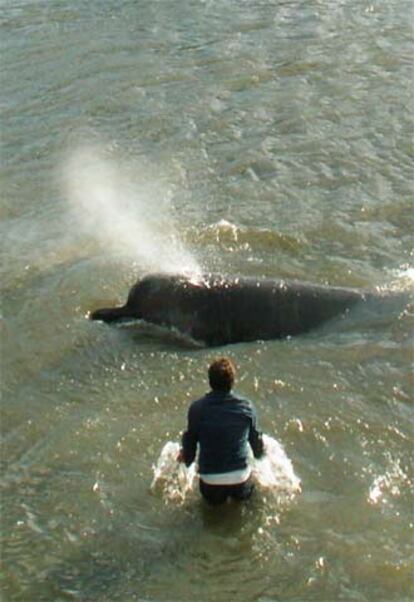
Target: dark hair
[(221, 374)]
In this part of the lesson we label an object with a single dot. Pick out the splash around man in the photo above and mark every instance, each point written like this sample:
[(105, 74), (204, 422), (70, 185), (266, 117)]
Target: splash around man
[(223, 424)]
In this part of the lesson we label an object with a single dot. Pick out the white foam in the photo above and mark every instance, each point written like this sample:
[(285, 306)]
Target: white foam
[(172, 478), (273, 473), (402, 280), (389, 484)]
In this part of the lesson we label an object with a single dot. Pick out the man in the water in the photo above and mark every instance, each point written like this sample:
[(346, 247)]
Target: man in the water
[(223, 424)]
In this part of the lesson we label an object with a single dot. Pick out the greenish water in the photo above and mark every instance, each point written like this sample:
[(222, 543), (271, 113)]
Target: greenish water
[(253, 138)]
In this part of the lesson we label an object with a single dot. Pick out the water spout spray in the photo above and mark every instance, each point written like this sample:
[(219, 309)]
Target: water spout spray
[(130, 216)]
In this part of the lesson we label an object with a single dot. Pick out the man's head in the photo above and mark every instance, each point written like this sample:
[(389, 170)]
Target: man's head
[(221, 374)]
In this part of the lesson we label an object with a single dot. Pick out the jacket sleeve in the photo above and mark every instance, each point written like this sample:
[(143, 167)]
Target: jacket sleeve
[(256, 437), (190, 439)]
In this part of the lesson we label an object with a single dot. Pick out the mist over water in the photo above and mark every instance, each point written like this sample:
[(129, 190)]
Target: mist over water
[(129, 215)]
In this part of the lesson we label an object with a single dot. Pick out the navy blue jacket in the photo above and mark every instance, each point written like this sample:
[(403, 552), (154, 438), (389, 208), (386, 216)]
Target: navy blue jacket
[(223, 424)]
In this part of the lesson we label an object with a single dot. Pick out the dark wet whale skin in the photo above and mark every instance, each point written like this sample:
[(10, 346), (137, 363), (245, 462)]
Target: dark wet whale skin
[(218, 310)]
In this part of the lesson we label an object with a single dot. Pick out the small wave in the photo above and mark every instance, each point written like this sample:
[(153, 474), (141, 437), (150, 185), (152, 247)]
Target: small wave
[(226, 234), (169, 335), (389, 484), (402, 280)]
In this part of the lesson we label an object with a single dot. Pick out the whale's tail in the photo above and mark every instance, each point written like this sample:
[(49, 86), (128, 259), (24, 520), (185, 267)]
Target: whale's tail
[(111, 314)]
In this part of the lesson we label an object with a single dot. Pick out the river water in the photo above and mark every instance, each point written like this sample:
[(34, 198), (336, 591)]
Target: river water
[(261, 138)]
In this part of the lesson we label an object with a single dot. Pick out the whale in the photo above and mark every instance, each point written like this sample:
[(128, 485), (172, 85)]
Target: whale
[(216, 310)]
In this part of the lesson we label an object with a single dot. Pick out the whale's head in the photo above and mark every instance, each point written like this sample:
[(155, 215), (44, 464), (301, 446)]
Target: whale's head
[(167, 299)]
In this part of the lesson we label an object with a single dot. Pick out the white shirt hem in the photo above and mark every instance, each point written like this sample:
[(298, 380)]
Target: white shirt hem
[(236, 477)]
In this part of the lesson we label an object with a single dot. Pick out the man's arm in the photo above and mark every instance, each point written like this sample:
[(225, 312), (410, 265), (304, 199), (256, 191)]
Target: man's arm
[(256, 437), (189, 441)]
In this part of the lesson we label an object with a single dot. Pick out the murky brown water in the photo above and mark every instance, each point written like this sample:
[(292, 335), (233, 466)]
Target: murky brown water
[(254, 138)]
